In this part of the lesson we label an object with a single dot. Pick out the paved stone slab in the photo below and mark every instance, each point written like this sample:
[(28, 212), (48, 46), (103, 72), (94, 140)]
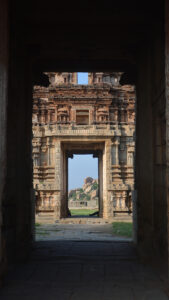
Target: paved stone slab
[(90, 232), (69, 270)]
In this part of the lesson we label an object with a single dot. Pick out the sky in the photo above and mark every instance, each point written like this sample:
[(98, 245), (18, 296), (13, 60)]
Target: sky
[(80, 167), (82, 78)]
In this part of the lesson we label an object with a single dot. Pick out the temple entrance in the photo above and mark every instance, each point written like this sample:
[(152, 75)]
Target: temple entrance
[(87, 199), (83, 186), (96, 119)]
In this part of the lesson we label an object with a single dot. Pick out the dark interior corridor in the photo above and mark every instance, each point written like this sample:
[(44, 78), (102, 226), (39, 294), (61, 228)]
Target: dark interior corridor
[(127, 36), (70, 270)]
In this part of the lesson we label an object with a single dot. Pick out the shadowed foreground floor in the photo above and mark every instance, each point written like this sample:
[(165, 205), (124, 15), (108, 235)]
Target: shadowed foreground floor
[(83, 270)]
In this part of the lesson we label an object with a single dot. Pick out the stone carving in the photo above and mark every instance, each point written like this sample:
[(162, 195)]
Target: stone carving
[(98, 118), (102, 114), (62, 114)]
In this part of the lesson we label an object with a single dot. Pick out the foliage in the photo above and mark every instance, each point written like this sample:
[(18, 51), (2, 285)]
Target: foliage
[(88, 197), (73, 195), (95, 186), (43, 233), (124, 229), (82, 196)]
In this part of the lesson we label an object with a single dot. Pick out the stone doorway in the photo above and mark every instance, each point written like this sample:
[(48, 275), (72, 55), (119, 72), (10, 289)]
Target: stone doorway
[(83, 186), (69, 119), (69, 149)]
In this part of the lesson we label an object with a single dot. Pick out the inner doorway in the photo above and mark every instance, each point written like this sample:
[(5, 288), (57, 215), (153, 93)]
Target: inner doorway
[(83, 186), (77, 191)]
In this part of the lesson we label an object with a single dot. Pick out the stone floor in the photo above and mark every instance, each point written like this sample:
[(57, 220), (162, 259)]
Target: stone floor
[(83, 270), (74, 232), (49, 219)]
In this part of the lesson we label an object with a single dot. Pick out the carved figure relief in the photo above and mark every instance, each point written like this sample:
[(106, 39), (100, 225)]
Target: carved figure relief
[(130, 158), (63, 114), (102, 114)]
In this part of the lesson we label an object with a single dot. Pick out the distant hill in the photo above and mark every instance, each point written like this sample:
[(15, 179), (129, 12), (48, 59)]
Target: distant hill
[(89, 191)]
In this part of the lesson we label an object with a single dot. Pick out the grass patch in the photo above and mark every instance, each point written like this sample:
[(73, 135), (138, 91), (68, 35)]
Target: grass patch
[(37, 224), (54, 230), (43, 233), (82, 212), (124, 229)]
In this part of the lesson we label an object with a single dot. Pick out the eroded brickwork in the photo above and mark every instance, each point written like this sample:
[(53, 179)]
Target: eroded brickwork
[(97, 118)]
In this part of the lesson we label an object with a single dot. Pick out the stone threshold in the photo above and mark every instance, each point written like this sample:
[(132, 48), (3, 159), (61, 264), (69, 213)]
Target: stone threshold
[(83, 220)]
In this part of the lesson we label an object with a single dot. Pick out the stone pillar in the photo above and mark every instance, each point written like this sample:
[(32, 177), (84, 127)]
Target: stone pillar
[(18, 187), (151, 183), (167, 112), (57, 209), (3, 106), (107, 180), (64, 184), (100, 167)]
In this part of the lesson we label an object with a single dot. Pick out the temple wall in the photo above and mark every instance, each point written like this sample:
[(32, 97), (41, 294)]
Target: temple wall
[(4, 57), (167, 110), (92, 114)]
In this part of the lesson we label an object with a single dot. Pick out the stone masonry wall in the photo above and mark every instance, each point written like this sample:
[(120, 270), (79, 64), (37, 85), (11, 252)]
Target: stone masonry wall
[(4, 57), (167, 107), (106, 113), (151, 148)]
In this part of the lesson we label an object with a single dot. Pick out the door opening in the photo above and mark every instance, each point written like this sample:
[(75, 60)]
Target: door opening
[(83, 186)]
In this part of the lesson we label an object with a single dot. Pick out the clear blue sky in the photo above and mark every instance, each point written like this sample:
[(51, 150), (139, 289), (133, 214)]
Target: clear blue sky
[(80, 167), (82, 78)]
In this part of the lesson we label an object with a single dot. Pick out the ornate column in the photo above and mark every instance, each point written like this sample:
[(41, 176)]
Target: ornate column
[(57, 197), (115, 153)]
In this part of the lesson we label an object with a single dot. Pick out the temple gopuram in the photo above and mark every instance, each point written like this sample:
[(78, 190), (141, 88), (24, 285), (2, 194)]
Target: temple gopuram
[(97, 118)]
